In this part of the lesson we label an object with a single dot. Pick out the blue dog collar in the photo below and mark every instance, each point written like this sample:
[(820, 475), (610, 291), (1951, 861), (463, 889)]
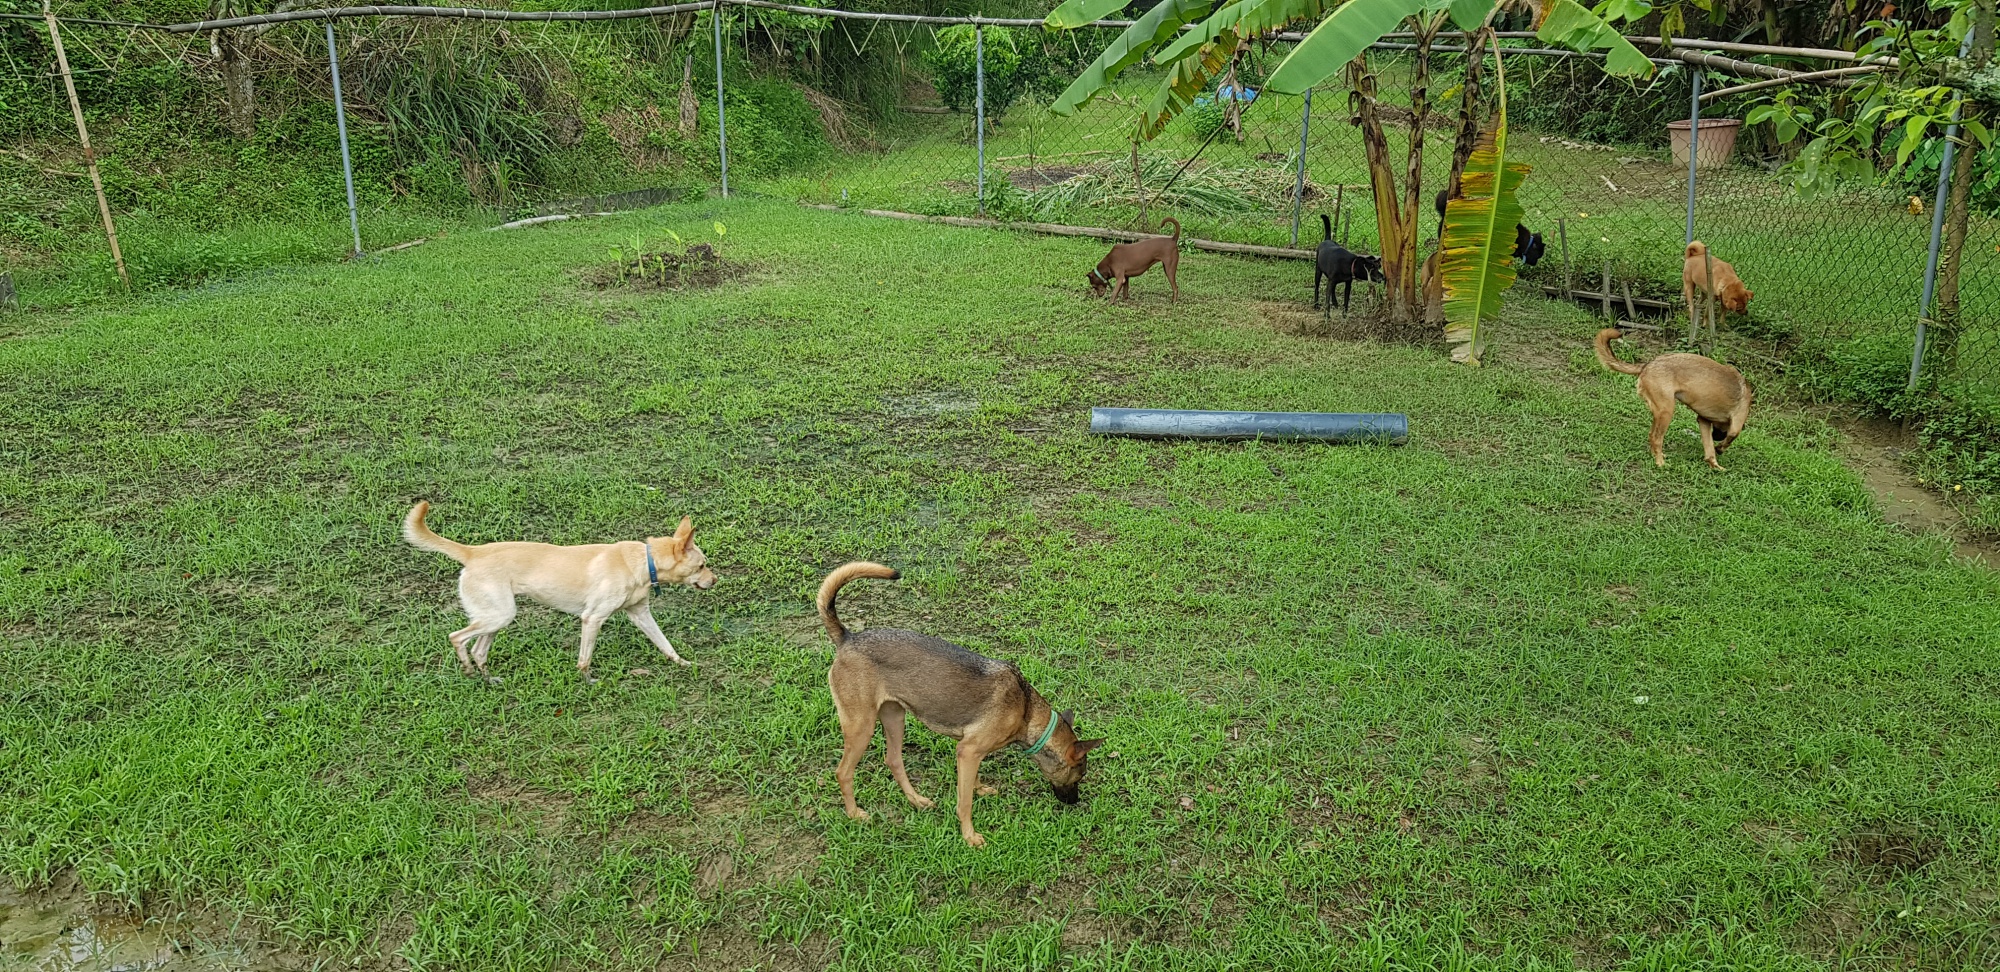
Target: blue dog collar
[(1098, 276), (1046, 734), (652, 572)]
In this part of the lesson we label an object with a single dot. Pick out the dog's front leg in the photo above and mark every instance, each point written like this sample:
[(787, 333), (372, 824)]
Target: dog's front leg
[(591, 624), (643, 617), (1707, 430), (968, 784)]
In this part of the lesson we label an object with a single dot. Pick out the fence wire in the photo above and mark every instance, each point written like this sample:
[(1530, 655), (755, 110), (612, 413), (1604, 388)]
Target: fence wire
[(1240, 166)]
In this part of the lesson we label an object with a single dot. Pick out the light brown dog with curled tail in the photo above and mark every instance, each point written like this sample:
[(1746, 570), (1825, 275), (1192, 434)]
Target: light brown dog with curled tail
[(1717, 393), (591, 581)]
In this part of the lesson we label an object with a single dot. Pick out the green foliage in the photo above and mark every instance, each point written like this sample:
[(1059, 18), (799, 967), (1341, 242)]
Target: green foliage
[(1205, 117), (1570, 24), (1477, 242), (1153, 28), (954, 61), (1338, 39)]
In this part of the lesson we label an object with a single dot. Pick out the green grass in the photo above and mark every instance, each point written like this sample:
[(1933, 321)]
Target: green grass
[(1825, 267), (1504, 698)]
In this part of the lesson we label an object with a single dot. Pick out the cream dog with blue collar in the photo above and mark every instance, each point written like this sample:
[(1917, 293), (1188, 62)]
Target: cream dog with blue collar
[(590, 581)]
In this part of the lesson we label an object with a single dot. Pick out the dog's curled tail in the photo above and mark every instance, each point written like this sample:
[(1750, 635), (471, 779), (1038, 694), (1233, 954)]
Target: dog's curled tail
[(830, 588), (1326, 223), (1609, 360), (1177, 226), (1697, 248), (421, 537)]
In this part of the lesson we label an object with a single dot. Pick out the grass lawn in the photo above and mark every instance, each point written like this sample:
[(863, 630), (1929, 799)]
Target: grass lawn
[(1506, 697)]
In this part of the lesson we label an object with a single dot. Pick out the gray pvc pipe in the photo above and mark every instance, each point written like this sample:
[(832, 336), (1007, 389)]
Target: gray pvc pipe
[(1392, 428)]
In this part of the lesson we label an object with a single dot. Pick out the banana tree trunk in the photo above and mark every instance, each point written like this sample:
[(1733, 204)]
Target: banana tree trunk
[(1389, 224), (1469, 115), (1411, 284)]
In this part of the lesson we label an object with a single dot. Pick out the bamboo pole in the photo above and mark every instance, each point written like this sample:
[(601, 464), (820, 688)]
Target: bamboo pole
[(89, 156)]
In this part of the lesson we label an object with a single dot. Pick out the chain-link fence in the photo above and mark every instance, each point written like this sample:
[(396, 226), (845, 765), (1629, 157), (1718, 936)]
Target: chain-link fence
[(1239, 166), (1263, 170)]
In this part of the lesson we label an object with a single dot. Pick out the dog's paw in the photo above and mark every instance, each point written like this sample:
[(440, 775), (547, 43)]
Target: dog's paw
[(985, 790), (973, 838), (858, 814), (922, 802), (682, 662)]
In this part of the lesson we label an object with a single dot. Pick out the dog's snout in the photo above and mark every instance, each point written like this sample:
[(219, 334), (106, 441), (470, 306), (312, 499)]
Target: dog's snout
[(705, 580), (1067, 794)]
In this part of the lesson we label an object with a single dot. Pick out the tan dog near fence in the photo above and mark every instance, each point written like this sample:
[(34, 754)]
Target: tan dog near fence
[(1715, 391)]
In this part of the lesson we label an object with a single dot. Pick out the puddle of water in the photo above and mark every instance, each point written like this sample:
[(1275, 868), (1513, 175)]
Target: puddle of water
[(64, 934)]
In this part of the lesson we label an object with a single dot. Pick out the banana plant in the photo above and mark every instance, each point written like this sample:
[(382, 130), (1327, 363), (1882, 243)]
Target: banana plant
[(1476, 247), (1197, 39)]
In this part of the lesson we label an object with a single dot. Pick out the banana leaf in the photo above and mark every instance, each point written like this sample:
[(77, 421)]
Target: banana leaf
[(1477, 247), (1082, 13), (1187, 78), (1156, 27), (1247, 18), (1572, 25), (1338, 39)]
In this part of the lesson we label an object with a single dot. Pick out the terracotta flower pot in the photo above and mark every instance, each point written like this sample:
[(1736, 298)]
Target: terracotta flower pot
[(1718, 141)]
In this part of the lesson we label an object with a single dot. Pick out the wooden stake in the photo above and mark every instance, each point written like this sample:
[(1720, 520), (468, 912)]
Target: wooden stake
[(1339, 196), (1708, 270), (1605, 291), (1139, 185), (1569, 281), (1626, 285), (89, 156)]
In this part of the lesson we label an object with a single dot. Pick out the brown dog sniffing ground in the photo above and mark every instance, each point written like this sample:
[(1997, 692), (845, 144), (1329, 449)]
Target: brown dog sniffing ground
[(1128, 260), (882, 674), (1717, 393)]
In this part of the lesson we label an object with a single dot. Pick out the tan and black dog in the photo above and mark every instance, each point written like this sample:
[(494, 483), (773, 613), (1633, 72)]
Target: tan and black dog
[(592, 582), (883, 674), (1717, 393), (1128, 260)]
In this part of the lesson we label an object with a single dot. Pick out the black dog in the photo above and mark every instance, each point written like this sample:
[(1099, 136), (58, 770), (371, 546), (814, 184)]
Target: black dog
[(1337, 266), (1528, 247)]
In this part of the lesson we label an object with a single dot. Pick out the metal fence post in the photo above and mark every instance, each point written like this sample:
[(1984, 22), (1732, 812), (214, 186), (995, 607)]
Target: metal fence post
[(979, 103), (1299, 188), (1945, 166), (721, 127), (346, 160), (1694, 159), (1694, 147)]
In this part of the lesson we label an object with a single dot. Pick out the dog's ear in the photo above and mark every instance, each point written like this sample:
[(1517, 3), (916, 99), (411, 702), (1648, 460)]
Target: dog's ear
[(1068, 718), (1083, 746), (684, 533)]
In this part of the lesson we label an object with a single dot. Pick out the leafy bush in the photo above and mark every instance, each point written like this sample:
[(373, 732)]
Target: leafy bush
[(1018, 63), (1205, 117)]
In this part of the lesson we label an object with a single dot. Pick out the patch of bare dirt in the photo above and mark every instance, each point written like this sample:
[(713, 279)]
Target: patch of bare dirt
[(1042, 177), (1875, 448), (698, 267), (1883, 851)]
